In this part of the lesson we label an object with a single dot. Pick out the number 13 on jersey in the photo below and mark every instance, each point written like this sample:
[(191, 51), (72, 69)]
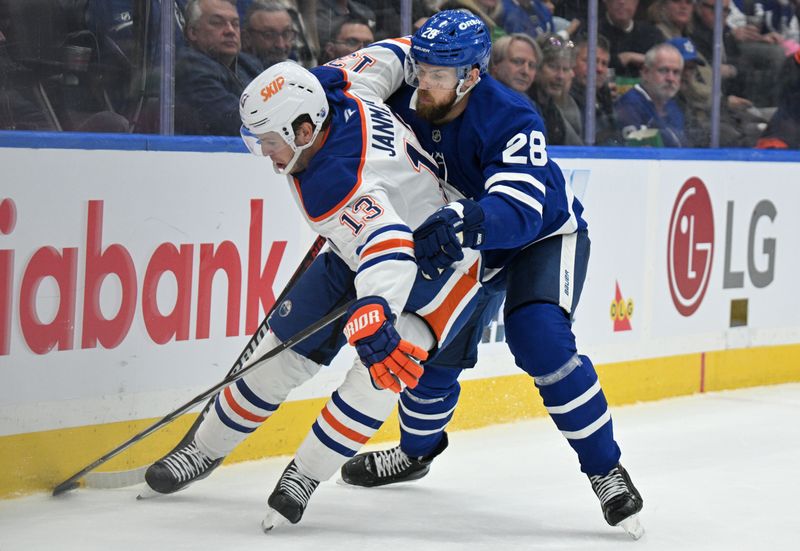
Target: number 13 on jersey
[(363, 210)]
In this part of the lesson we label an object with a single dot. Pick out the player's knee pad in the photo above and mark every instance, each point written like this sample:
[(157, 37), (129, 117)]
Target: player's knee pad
[(355, 411), (540, 337)]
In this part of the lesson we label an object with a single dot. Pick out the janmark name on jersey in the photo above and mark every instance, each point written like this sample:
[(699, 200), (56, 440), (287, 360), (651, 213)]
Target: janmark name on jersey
[(382, 127)]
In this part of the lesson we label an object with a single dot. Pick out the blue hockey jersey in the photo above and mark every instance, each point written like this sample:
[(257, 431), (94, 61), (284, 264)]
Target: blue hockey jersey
[(494, 153)]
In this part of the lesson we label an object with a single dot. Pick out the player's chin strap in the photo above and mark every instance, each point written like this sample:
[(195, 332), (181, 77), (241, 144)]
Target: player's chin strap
[(460, 95)]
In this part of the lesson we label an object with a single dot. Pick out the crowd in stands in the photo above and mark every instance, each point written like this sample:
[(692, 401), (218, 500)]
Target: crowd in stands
[(93, 65)]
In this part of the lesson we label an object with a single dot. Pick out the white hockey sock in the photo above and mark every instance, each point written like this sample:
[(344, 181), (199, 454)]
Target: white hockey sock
[(243, 406)]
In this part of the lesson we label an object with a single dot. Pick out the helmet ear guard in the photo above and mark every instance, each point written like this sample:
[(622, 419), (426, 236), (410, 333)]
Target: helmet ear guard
[(274, 100)]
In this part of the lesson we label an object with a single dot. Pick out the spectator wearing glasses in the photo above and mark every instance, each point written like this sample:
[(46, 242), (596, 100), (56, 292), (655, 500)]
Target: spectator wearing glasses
[(606, 131), (550, 91), (651, 104), (212, 72), (515, 59), (629, 39), (268, 32), (349, 35)]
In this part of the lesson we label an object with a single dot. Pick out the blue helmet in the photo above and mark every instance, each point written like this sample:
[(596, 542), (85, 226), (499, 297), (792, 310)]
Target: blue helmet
[(453, 38)]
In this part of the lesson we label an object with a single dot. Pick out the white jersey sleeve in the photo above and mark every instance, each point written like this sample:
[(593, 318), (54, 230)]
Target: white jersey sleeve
[(377, 70), (365, 190)]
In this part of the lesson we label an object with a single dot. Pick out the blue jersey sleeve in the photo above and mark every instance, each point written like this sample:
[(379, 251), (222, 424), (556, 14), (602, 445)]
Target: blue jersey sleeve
[(516, 171)]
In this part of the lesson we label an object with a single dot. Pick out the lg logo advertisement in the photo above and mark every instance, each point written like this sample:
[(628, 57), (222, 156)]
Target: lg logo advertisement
[(694, 237), (690, 246)]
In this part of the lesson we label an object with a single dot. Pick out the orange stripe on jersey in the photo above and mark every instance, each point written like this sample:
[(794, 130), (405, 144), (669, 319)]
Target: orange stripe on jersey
[(388, 244), (364, 141), (406, 41), (439, 318), (240, 411), (341, 429)]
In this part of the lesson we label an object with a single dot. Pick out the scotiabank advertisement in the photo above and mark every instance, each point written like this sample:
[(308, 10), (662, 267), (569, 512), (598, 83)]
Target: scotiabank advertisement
[(130, 281)]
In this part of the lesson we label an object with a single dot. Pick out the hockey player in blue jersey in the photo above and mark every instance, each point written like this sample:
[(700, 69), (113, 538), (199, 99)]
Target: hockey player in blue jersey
[(490, 144), (361, 180)]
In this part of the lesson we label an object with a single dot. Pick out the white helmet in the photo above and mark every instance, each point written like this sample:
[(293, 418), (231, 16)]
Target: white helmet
[(272, 102)]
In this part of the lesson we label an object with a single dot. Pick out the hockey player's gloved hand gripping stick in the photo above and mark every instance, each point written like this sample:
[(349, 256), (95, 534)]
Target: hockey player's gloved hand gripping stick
[(238, 365), (72, 482), (439, 239), (389, 358)]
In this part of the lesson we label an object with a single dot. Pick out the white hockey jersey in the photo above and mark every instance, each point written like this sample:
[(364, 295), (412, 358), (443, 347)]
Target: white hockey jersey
[(366, 189)]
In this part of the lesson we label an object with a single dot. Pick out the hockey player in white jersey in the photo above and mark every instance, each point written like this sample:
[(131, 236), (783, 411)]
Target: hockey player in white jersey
[(363, 182), (518, 210)]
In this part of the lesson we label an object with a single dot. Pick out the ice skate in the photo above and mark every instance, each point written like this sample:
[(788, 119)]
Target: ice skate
[(388, 466), (620, 500), (177, 470), (288, 500)]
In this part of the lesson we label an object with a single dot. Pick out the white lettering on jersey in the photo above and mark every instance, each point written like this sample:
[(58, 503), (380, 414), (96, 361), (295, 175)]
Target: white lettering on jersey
[(382, 127)]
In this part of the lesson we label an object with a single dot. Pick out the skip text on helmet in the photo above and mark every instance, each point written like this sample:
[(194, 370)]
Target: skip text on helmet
[(272, 88)]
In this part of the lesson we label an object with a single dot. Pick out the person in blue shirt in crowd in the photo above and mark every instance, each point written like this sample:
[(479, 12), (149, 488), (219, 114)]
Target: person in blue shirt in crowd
[(651, 103), (212, 71)]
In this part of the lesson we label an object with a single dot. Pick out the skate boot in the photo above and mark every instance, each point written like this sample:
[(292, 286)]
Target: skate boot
[(388, 466), (620, 500), (289, 498), (178, 469)]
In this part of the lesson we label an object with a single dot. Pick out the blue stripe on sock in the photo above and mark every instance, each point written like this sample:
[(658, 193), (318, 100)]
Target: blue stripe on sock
[(228, 422), (354, 414), (330, 442), (251, 397)]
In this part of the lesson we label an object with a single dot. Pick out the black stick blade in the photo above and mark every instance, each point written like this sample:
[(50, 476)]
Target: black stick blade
[(66, 486)]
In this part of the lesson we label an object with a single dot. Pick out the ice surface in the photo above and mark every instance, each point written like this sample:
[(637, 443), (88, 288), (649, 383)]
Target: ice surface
[(716, 471)]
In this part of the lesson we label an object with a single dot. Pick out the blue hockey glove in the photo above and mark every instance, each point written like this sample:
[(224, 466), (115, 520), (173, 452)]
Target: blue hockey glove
[(439, 239), (389, 358)]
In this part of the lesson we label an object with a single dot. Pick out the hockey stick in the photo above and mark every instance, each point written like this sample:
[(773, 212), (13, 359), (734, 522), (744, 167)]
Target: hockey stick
[(72, 482), (258, 336), (120, 479)]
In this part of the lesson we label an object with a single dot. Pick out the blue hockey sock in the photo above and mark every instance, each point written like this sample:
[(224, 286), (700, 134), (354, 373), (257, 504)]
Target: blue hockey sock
[(541, 339), (426, 410)]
